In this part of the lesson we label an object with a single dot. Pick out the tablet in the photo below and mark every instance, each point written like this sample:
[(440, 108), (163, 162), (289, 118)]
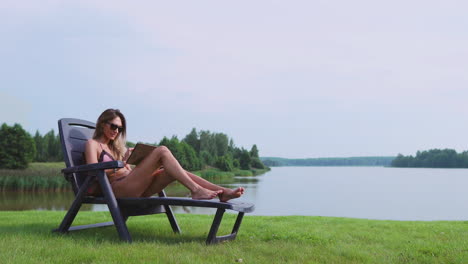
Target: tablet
[(139, 152)]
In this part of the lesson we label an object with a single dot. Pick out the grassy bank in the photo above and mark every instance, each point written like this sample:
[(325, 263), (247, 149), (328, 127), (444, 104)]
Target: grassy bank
[(38, 176), (46, 176), (25, 237), (213, 172)]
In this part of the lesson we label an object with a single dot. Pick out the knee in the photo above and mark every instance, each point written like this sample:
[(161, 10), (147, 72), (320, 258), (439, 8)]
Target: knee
[(162, 151)]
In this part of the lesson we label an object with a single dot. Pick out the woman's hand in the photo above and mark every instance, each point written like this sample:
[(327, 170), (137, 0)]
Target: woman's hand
[(127, 154)]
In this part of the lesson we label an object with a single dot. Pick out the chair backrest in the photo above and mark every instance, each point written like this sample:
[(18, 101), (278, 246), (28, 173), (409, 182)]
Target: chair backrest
[(73, 136)]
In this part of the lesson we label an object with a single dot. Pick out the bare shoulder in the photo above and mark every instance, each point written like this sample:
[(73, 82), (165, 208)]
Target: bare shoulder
[(91, 144), (91, 151)]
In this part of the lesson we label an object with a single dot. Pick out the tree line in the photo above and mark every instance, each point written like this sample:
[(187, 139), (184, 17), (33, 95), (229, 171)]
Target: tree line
[(204, 148), (350, 161), (433, 158), (196, 151)]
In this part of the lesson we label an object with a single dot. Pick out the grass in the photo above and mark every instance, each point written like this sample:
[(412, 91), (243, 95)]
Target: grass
[(25, 237), (46, 176)]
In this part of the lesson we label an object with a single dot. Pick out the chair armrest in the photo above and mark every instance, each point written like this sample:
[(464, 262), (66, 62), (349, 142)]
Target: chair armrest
[(94, 166)]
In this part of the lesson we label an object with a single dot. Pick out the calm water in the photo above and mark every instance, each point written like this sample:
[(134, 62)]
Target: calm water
[(359, 192)]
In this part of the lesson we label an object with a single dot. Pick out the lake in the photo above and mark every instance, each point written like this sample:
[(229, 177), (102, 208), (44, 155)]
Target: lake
[(358, 192)]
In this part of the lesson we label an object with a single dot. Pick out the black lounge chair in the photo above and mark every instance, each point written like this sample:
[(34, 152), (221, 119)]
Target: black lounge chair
[(73, 135)]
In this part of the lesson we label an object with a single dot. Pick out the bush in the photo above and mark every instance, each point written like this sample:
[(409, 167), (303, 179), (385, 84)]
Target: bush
[(224, 163)]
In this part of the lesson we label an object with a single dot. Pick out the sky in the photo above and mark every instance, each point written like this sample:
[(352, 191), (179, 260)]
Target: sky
[(300, 79)]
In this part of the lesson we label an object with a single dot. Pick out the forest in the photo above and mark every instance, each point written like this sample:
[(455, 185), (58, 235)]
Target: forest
[(433, 158), (197, 150), (350, 161)]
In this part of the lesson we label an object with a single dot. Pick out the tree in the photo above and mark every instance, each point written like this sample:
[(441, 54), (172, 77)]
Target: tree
[(48, 147), (53, 146), (17, 147), (207, 143), (221, 141), (40, 149), (183, 152), (245, 160), (174, 146), (462, 160), (254, 152), (193, 162), (207, 159), (193, 140), (433, 158), (402, 161)]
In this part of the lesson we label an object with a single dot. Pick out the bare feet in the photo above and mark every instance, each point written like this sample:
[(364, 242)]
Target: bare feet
[(229, 194), (204, 194)]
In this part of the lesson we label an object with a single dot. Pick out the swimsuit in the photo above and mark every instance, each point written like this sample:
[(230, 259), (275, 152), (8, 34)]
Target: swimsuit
[(105, 156)]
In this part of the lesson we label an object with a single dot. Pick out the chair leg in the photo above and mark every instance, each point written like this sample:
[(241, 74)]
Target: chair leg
[(212, 238), (170, 215), (236, 227), (119, 219), (172, 219), (74, 208)]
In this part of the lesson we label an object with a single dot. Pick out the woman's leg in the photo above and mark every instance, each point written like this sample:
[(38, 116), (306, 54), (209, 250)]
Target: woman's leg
[(162, 179), (143, 177)]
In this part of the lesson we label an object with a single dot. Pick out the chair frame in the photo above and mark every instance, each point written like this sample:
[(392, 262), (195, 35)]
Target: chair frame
[(73, 135)]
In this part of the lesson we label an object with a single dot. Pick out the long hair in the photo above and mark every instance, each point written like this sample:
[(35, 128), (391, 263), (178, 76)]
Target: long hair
[(118, 145)]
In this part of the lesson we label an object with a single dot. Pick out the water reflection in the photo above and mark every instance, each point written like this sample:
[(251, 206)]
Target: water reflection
[(18, 201), (358, 192)]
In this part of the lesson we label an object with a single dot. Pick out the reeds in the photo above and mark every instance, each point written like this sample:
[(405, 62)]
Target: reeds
[(37, 177)]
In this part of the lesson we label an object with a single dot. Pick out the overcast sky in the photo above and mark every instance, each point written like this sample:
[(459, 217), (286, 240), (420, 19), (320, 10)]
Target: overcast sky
[(298, 78)]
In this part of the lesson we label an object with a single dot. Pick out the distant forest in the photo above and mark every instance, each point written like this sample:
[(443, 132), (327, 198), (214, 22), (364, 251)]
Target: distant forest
[(434, 158), (351, 161)]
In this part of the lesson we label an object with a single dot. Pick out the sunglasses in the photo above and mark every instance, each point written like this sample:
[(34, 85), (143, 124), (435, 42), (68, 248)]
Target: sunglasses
[(114, 127)]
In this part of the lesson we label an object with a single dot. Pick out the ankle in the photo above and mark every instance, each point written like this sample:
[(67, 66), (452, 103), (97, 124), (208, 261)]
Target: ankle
[(195, 189)]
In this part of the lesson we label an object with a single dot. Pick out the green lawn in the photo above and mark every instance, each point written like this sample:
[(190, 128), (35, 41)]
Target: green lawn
[(25, 237)]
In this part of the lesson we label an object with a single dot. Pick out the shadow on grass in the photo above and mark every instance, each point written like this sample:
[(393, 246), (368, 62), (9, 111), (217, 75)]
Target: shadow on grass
[(140, 233)]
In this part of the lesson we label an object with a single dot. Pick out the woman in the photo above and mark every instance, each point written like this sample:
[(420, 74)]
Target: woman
[(150, 176)]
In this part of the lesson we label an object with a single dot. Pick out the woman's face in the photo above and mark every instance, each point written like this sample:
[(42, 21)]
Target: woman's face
[(113, 128)]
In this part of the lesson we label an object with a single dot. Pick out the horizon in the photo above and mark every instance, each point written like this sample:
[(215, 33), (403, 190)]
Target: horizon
[(330, 157)]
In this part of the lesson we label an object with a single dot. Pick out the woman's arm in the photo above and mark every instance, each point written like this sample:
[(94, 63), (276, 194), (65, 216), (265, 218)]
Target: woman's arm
[(91, 152), (127, 154)]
